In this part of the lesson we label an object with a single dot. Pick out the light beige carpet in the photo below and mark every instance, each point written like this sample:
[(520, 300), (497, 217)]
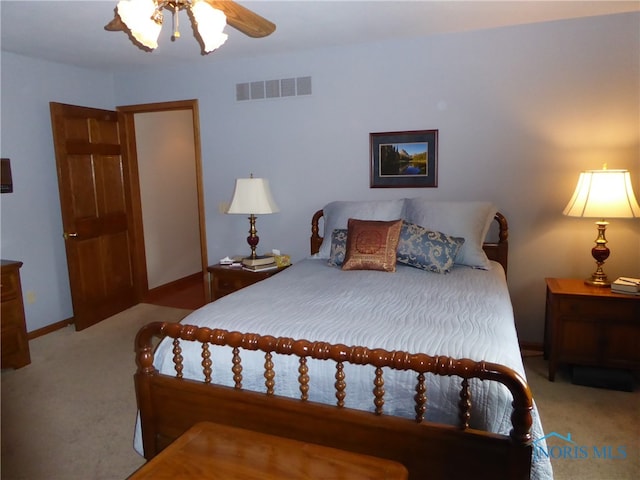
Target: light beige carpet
[(604, 426), (70, 414)]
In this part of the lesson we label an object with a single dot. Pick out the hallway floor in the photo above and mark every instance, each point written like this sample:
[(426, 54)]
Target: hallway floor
[(189, 295)]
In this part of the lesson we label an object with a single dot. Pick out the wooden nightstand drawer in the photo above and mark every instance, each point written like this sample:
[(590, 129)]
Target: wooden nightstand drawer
[(595, 308), (223, 285), (226, 280)]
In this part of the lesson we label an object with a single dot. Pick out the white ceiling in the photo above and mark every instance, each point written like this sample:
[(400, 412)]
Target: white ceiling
[(72, 32)]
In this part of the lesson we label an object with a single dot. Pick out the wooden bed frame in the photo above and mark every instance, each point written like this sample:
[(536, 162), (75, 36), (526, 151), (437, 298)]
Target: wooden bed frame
[(170, 405)]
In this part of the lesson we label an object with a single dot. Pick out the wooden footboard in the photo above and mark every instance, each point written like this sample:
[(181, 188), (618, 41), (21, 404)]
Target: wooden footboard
[(169, 405)]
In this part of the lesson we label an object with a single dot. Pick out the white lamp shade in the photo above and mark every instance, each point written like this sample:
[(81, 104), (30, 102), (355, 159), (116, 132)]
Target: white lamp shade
[(209, 22), (252, 196), (136, 15), (603, 194)]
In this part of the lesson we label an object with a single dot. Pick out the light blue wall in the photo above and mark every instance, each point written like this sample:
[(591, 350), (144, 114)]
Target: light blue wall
[(31, 221), (520, 111)]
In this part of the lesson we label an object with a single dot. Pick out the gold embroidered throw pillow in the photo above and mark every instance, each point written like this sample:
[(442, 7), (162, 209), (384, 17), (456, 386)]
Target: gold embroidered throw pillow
[(371, 245)]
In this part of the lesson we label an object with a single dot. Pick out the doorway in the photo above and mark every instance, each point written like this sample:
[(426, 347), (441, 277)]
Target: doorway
[(101, 201), (169, 211)]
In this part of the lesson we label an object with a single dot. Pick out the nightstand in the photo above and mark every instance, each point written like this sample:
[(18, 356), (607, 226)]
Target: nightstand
[(591, 326), (226, 279)]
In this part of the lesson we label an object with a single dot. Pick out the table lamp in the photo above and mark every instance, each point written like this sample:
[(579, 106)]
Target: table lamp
[(599, 194), (252, 197)]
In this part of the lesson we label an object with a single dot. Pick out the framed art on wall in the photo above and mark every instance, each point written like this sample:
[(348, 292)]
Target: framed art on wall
[(6, 182), (404, 159)]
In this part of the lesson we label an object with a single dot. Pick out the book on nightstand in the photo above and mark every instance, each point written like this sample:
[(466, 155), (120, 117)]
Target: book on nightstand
[(258, 261), (260, 268), (626, 285)]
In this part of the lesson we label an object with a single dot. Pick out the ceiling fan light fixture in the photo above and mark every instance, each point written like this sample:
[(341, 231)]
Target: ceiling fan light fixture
[(157, 17), (143, 20), (209, 23)]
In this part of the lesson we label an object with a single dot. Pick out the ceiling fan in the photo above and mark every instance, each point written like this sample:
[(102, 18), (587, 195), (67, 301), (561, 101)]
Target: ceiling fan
[(143, 20)]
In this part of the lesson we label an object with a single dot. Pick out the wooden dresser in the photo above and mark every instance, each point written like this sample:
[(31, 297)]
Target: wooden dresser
[(15, 345), (591, 326)]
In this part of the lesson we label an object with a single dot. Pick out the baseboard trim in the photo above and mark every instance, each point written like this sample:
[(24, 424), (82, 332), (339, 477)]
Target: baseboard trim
[(49, 328), (149, 297)]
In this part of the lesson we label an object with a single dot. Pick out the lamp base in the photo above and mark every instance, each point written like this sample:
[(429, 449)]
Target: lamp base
[(596, 281), (600, 253)]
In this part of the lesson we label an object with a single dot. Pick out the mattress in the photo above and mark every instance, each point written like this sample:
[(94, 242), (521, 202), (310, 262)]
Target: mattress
[(466, 313)]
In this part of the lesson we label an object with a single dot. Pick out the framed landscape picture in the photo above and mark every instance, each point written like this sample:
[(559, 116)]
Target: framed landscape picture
[(404, 159)]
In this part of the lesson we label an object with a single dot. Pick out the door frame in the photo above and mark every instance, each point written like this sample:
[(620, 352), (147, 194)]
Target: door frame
[(126, 118)]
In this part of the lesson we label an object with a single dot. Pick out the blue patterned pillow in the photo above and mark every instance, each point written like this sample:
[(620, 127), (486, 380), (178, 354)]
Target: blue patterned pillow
[(427, 250), (338, 247)]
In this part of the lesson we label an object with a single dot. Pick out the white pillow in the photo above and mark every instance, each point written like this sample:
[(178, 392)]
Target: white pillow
[(337, 214), (470, 220)]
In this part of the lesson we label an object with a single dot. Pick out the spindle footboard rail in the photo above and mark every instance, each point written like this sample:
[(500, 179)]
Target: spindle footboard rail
[(170, 404)]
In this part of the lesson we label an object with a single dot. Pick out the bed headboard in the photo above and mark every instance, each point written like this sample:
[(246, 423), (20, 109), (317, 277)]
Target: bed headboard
[(497, 251)]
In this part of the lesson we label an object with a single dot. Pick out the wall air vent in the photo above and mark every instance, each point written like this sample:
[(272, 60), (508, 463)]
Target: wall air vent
[(285, 87)]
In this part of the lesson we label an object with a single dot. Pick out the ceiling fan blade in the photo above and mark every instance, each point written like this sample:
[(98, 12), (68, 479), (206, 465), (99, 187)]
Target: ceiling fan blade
[(115, 25), (243, 19)]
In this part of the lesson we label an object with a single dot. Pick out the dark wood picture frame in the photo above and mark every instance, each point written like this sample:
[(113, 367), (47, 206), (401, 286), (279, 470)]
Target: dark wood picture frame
[(404, 159), (6, 181)]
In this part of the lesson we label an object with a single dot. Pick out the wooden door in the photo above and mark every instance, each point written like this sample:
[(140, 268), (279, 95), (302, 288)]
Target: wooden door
[(93, 180)]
